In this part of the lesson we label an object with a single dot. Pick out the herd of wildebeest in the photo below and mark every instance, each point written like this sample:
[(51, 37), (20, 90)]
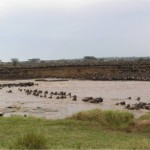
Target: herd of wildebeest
[(47, 94), (136, 106), (50, 95), (23, 87), (59, 95)]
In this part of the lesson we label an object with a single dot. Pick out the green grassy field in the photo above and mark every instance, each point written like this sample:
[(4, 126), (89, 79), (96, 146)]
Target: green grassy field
[(85, 130)]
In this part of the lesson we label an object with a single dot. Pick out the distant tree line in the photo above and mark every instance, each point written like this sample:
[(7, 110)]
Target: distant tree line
[(87, 60)]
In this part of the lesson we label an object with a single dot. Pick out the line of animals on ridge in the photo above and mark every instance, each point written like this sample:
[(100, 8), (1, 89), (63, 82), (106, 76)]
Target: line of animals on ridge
[(136, 106)]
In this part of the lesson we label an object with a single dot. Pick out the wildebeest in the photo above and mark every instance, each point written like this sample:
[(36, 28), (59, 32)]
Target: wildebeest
[(10, 91), (93, 100), (86, 99), (97, 100), (74, 98)]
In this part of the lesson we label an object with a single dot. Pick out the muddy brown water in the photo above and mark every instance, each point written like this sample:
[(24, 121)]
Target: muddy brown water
[(111, 91)]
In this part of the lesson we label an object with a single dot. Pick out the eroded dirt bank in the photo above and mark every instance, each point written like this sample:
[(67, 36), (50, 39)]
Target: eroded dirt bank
[(106, 71)]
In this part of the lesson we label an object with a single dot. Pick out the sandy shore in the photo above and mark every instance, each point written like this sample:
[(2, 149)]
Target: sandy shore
[(111, 91)]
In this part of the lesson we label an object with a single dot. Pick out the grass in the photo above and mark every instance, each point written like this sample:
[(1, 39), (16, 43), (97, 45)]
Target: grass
[(141, 124), (30, 140), (110, 118), (145, 117), (72, 133)]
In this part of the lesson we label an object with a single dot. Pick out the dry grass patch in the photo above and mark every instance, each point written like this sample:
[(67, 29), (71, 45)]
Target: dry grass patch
[(141, 124)]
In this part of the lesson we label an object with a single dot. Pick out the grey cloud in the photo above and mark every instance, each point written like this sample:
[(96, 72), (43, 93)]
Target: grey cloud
[(117, 29)]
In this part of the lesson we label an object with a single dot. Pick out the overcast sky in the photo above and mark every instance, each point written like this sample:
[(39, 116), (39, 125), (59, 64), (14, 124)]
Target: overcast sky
[(58, 29)]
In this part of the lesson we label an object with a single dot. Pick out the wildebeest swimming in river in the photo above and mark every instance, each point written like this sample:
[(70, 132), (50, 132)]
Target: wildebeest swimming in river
[(10, 91), (93, 100)]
